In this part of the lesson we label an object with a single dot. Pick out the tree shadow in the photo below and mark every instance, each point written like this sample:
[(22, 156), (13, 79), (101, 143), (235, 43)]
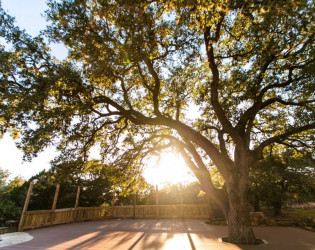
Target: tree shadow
[(118, 234)]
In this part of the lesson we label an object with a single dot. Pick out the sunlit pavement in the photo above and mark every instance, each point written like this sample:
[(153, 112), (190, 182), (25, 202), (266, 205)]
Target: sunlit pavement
[(158, 234)]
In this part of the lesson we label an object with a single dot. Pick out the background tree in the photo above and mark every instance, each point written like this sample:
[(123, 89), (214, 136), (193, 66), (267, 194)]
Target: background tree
[(282, 177), (4, 174), (10, 209), (134, 69)]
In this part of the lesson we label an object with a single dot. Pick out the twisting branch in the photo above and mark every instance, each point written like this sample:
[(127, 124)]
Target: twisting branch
[(223, 162), (120, 131), (101, 99), (289, 103), (210, 127), (125, 91), (110, 113), (94, 132), (310, 40), (300, 144), (279, 85), (226, 124), (156, 89), (279, 138), (222, 144), (200, 170), (144, 81), (249, 116), (251, 112)]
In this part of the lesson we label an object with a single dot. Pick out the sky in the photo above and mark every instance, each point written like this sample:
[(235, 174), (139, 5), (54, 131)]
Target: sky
[(29, 16), (27, 13)]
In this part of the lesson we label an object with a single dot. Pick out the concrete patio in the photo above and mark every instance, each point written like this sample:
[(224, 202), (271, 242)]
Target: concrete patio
[(157, 234)]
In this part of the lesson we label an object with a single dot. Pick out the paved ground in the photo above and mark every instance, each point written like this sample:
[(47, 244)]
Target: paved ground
[(157, 234)]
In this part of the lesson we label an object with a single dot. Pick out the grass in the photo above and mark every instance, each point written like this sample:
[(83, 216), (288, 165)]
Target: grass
[(299, 213), (297, 216), (295, 211)]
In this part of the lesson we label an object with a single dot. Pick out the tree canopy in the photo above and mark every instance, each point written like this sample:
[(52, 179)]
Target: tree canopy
[(136, 68)]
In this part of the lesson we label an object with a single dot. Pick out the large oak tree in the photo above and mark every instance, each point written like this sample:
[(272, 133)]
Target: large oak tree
[(135, 69)]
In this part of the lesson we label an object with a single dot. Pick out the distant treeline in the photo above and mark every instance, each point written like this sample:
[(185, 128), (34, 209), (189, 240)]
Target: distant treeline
[(95, 191)]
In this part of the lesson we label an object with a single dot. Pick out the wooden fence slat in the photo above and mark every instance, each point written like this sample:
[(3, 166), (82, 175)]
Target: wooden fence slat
[(27, 200), (54, 204), (157, 211), (55, 198), (76, 204), (134, 205), (77, 198)]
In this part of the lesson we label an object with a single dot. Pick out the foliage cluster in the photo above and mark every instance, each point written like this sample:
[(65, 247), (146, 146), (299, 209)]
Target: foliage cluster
[(284, 177), (11, 197)]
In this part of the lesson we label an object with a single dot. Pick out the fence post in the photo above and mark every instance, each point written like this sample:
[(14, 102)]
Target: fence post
[(27, 200), (113, 201), (157, 214), (77, 198), (210, 209), (181, 200), (76, 204), (134, 204), (54, 204)]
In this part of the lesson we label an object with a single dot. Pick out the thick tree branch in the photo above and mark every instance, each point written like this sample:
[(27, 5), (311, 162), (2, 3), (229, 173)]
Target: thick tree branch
[(222, 144), (156, 89), (224, 163), (226, 124), (110, 113), (288, 103), (144, 81), (278, 138), (93, 134), (125, 91), (249, 116), (201, 172), (278, 85)]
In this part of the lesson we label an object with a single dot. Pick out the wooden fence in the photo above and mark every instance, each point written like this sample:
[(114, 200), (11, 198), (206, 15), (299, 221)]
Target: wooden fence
[(41, 218)]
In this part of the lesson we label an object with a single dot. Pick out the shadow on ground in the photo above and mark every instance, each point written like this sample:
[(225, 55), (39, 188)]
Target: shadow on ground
[(158, 234)]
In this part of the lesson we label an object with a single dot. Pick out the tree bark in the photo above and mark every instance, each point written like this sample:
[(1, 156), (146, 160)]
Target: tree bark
[(256, 204), (239, 225), (277, 207), (235, 208)]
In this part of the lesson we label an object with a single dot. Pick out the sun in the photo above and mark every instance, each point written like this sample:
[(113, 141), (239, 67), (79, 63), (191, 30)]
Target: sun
[(167, 168)]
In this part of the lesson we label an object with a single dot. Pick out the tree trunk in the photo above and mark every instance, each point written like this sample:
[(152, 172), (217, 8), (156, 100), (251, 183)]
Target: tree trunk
[(233, 201), (236, 211), (277, 207), (239, 225), (256, 204)]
